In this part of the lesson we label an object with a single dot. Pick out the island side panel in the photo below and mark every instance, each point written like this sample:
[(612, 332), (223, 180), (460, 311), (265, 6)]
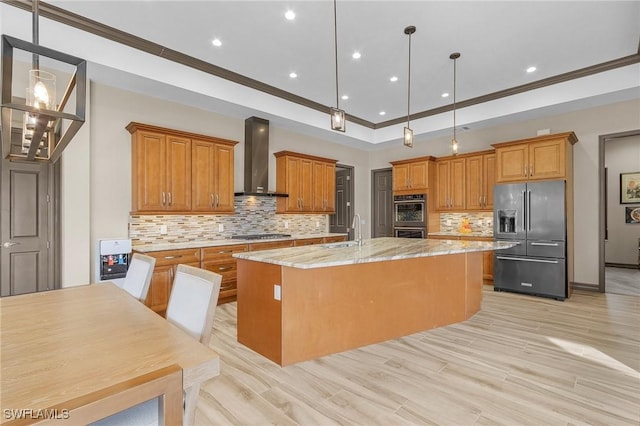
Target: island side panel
[(333, 309), (259, 313), (474, 283)]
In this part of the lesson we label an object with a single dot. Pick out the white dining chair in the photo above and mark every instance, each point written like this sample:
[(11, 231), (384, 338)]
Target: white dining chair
[(139, 275), (191, 308)]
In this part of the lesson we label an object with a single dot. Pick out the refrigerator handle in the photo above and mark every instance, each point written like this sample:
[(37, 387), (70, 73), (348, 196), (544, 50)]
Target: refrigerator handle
[(524, 210), (529, 210)]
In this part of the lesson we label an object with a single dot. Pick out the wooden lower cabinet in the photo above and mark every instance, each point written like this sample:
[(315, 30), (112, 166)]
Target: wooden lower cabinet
[(167, 262), (220, 260)]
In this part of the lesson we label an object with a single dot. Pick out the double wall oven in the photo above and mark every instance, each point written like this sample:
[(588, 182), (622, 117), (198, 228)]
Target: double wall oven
[(410, 216)]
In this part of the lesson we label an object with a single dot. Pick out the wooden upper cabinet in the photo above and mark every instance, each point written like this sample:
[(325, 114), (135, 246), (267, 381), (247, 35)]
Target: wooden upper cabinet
[(324, 184), (309, 181), (451, 184), (539, 158), (212, 177), (180, 172), (412, 175), (480, 178)]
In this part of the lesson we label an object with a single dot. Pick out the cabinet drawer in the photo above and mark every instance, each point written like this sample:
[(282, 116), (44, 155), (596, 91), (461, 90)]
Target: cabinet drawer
[(222, 252), (270, 245), (334, 239), (307, 242), (228, 270), (174, 257)]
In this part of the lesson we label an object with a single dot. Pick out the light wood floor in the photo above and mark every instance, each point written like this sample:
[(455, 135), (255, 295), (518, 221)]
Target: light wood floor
[(622, 280), (520, 361)]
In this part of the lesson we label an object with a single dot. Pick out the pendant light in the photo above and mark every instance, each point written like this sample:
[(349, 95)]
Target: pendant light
[(46, 127), (408, 133), (454, 141), (337, 115)]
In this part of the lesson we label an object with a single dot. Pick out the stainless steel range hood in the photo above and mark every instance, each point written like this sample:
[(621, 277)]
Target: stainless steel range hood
[(256, 159)]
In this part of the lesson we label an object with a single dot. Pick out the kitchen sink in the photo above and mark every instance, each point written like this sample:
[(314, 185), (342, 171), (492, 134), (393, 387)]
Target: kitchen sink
[(340, 244)]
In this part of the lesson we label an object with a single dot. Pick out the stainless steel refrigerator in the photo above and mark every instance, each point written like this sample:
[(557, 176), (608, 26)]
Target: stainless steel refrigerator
[(534, 215)]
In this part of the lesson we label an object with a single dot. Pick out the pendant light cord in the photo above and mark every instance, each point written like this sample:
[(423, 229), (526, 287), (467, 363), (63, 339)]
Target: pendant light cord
[(335, 39), (35, 32), (454, 99), (409, 85)]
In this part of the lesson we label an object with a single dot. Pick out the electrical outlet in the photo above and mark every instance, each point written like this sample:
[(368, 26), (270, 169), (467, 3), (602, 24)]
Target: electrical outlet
[(277, 295), (163, 229), (220, 227), (448, 222), (286, 224), (317, 224)]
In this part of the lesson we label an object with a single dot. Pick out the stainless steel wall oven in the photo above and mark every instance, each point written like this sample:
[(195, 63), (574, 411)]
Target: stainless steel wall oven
[(410, 216)]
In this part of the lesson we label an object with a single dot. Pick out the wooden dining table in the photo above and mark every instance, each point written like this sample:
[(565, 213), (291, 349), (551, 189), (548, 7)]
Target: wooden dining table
[(60, 345)]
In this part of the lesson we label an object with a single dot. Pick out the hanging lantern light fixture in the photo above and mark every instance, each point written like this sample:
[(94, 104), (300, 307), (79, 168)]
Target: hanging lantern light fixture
[(408, 133), (338, 121), (454, 141)]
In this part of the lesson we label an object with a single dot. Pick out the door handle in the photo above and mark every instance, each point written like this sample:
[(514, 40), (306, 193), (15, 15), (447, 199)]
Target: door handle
[(9, 244)]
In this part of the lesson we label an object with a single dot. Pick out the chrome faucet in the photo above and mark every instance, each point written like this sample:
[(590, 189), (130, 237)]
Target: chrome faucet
[(357, 227)]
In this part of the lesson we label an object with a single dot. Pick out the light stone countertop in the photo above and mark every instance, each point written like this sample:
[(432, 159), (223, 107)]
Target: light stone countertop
[(146, 248), (374, 250)]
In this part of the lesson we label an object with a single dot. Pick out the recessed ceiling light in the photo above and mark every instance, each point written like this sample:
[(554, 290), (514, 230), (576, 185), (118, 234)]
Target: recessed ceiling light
[(345, 97), (293, 75), (356, 55), (382, 113), (445, 95), (531, 69), (216, 42), (393, 79), (290, 15)]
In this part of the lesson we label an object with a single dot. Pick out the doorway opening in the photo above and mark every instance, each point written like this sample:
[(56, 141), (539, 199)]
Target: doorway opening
[(381, 203), (619, 238)]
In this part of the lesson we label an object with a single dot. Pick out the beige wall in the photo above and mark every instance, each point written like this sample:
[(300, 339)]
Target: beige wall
[(98, 176), (621, 156)]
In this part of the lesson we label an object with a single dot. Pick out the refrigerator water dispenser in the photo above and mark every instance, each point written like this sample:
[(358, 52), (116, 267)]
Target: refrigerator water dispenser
[(507, 221)]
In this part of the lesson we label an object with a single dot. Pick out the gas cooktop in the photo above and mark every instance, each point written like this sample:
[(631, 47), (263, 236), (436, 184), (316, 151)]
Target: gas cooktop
[(260, 236)]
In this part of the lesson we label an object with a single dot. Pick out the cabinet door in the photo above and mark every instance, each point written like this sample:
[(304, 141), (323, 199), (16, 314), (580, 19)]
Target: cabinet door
[(330, 188), (488, 180), (457, 184), (418, 173), (512, 162), (400, 174), (547, 160), (223, 178), (293, 167), (306, 185), (324, 183), (202, 175), (442, 199), (474, 182), (487, 265), (149, 173), (178, 173), (160, 288)]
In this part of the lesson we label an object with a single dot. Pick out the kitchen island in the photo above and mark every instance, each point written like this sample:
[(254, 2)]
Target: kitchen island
[(301, 303)]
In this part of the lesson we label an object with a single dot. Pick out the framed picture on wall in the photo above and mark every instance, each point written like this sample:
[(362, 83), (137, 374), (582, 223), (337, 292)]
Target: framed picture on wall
[(632, 215), (630, 188)]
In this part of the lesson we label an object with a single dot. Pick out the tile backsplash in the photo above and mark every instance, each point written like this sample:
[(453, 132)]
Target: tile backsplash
[(479, 221), (253, 215)]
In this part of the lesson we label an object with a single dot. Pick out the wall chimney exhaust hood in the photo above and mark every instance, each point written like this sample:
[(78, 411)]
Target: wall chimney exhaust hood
[(256, 159)]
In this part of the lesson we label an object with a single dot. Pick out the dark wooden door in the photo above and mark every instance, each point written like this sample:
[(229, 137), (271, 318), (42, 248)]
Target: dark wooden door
[(340, 222), (26, 259), (382, 203)]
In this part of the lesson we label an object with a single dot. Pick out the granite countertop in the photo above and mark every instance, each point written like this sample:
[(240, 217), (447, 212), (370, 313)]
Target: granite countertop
[(460, 234), (145, 248), (374, 250)]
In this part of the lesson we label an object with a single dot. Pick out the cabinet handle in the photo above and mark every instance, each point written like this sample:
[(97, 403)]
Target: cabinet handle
[(225, 251), (164, 201), (173, 257), (170, 199), (525, 170), (224, 268), (531, 168), (211, 197), (217, 200)]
